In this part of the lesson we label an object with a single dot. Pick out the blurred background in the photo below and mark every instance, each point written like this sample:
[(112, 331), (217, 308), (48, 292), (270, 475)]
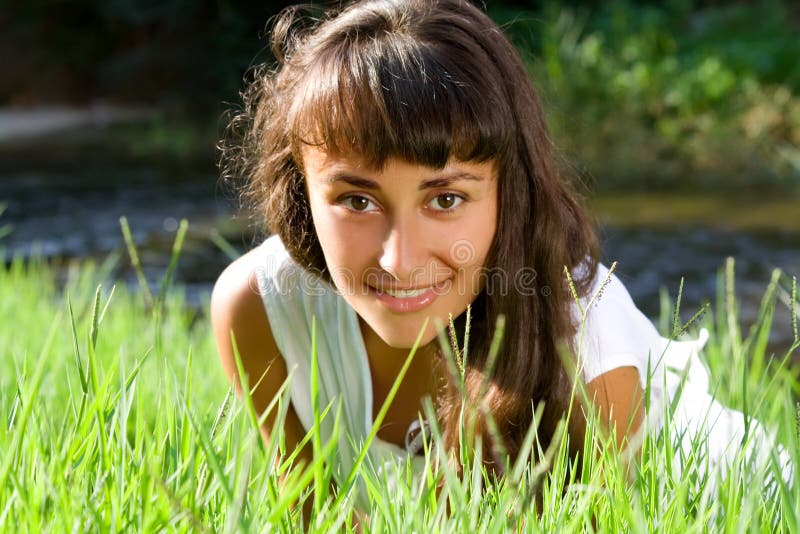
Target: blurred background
[(681, 117)]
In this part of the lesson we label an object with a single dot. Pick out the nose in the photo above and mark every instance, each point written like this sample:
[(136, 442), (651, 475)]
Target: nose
[(404, 255)]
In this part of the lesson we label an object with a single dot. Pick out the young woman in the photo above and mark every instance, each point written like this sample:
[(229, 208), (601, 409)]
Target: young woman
[(400, 157)]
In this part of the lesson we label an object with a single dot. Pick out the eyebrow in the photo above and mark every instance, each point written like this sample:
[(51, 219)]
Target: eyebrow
[(366, 183)]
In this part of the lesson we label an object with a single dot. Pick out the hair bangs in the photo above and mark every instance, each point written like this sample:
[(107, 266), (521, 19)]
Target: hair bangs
[(396, 98)]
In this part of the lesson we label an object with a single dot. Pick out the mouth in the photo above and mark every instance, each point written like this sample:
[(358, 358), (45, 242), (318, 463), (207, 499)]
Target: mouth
[(403, 293), (409, 292), (408, 300)]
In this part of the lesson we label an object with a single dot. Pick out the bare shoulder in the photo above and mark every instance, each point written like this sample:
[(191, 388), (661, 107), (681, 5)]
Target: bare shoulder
[(237, 313)]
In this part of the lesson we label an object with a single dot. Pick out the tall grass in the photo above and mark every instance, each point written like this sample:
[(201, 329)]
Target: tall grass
[(117, 417)]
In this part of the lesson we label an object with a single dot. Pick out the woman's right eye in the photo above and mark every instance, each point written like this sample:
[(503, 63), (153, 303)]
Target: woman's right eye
[(356, 203)]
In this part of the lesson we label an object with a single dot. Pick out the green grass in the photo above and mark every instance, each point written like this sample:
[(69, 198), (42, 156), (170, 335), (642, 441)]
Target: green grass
[(117, 417)]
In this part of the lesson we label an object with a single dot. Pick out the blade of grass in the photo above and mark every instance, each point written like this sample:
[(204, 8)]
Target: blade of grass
[(381, 416), (223, 244), (137, 265), (676, 318), (177, 245), (29, 404)]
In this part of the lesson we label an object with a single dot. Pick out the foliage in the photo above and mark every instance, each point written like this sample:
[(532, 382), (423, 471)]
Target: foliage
[(669, 95), (173, 53), (673, 96)]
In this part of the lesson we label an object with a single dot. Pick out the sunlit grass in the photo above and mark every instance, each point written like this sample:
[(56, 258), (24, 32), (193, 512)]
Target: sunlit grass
[(117, 417)]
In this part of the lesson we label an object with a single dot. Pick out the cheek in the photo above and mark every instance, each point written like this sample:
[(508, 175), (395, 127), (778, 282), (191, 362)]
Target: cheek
[(486, 230), (469, 242), (325, 223), (317, 207), (346, 246), (325, 228)]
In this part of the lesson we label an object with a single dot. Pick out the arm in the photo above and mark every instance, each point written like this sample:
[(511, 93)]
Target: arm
[(236, 307), (618, 399)]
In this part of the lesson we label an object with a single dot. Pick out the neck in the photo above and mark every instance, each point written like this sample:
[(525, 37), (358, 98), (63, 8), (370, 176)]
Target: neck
[(386, 362)]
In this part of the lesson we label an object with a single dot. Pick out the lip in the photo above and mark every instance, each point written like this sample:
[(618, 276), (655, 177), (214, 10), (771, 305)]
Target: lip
[(410, 304), (408, 288)]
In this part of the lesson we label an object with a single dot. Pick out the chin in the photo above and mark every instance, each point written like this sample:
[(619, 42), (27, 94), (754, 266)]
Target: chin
[(404, 338)]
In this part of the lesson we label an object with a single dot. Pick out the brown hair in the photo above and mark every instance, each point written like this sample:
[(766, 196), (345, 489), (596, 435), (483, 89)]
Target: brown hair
[(426, 80)]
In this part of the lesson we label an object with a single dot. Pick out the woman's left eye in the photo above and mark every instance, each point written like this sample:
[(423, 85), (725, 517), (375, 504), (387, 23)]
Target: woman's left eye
[(447, 201)]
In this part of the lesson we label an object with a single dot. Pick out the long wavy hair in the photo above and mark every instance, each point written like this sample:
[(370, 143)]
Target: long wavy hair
[(427, 80)]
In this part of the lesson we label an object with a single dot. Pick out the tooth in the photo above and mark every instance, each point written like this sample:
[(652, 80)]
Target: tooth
[(406, 293)]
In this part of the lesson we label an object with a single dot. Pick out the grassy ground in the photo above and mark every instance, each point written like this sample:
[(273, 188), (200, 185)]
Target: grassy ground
[(117, 418)]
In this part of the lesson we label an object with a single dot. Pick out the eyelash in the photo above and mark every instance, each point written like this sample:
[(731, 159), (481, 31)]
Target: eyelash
[(463, 199)]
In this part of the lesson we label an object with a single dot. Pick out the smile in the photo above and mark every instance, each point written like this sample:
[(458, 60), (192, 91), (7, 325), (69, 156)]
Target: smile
[(408, 300), (404, 293)]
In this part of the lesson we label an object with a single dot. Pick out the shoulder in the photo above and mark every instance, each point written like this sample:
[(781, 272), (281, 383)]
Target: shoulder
[(238, 316), (607, 307), (241, 325), (606, 286), (236, 293), (613, 332)]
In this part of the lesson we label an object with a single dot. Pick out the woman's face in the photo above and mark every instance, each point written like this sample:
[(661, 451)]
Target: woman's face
[(405, 243)]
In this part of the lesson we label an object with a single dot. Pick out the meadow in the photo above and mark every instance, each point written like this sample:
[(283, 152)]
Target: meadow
[(117, 418)]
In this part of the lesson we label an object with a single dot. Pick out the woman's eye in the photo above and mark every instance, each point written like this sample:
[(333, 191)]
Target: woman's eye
[(447, 201), (356, 203)]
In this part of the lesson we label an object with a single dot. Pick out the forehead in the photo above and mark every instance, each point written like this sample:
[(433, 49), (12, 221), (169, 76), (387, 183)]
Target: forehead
[(317, 164), (314, 159)]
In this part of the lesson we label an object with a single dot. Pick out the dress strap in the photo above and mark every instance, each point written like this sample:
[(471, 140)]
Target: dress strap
[(416, 435)]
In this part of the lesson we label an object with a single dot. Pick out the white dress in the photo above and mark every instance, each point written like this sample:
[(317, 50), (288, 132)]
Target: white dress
[(616, 334)]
